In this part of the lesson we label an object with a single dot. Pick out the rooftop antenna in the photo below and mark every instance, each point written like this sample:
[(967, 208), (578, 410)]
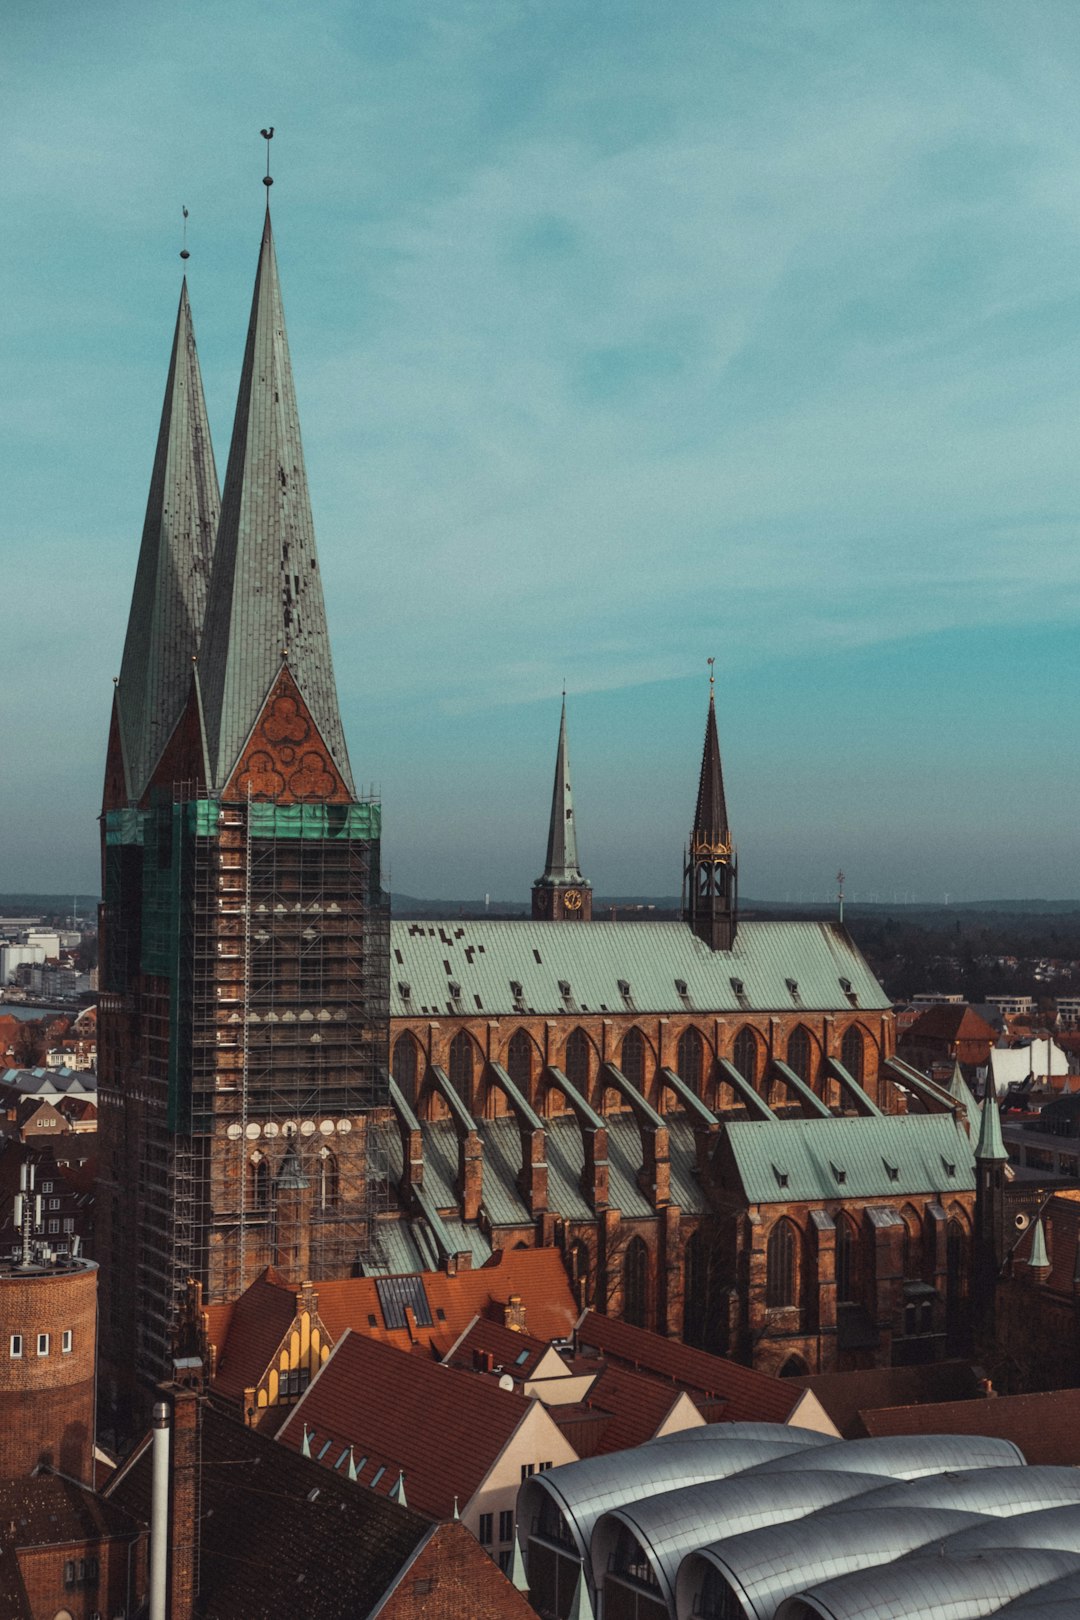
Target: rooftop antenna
[(184, 254), (840, 893), (267, 135)]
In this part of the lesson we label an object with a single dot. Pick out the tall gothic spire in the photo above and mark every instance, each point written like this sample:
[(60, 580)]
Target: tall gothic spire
[(562, 891), (265, 608), (169, 599), (710, 873)]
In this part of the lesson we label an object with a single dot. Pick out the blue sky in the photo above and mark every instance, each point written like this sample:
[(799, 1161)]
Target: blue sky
[(624, 334)]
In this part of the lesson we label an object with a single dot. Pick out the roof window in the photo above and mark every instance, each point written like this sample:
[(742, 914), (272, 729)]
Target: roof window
[(950, 1168), (564, 989), (781, 1176), (624, 987), (404, 990), (793, 986), (841, 1175), (455, 990), (516, 989), (891, 1170)]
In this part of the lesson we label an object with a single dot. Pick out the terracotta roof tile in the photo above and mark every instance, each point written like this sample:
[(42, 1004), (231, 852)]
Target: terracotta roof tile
[(845, 1395), (442, 1426), (951, 1023), (1046, 1427), (749, 1396), (260, 1319)]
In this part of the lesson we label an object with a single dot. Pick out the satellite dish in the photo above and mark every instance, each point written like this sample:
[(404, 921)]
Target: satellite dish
[(506, 1382)]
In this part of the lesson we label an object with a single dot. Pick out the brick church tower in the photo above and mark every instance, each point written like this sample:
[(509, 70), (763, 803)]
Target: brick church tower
[(562, 894), (244, 972), (710, 876)]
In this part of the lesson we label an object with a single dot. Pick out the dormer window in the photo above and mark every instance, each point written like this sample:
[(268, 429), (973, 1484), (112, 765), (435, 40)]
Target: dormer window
[(624, 988), (738, 987), (564, 989), (516, 990), (404, 990), (840, 1175), (455, 990), (793, 986), (680, 987)]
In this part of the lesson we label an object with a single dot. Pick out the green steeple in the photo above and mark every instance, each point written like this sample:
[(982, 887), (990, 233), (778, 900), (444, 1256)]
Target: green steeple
[(1038, 1260), (266, 598), (562, 856), (990, 1145), (959, 1088), (169, 600)]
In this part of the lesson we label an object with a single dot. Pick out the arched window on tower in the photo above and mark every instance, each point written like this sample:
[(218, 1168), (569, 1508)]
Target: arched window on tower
[(800, 1055), (781, 1266), (691, 1060), (519, 1060), (633, 1058), (461, 1066), (847, 1263), (912, 1241), (329, 1182), (852, 1052), (636, 1284), (581, 1273), (745, 1054), (956, 1280), (577, 1061), (404, 1066), (258, 1182)]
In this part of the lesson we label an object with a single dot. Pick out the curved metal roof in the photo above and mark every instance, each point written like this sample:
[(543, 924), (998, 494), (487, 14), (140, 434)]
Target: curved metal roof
[(582, 1491), (1053, 1527), (904, 1456), (1060, 1600), (1002, 1491), (765, 1566), (671, 1523), (787, 1433), (966, 1586)]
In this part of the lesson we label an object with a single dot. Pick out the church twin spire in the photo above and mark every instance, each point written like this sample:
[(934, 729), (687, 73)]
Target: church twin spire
[(245, 610)]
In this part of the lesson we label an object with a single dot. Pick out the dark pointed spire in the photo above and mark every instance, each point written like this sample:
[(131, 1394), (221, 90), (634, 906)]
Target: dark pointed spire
[(169, 600), (710, 871), (266, 599), (562, 891)]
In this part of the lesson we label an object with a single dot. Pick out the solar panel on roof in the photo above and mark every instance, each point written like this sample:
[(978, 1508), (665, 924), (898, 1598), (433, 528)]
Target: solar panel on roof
[(396, 1294)]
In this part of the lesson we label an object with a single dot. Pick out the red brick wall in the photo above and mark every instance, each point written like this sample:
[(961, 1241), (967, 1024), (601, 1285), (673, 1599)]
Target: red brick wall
[(454, 1579), (47, 1402), (43, 1568)]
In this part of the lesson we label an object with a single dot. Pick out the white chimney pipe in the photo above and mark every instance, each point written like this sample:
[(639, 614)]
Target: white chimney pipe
[(159, 1514)]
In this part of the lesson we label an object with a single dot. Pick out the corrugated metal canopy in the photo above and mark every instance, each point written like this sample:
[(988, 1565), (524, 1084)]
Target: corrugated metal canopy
[(486, 958)]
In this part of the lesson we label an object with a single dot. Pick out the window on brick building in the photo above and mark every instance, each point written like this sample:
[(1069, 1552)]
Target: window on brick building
[(404, 1066), (577, 1060), (461, 1066), (636, 1283), (633, 1058), (853, 1052), (519, 1059), (694, 1291), (847, 1263), (15, 1345), (781, 1266), (65, 1342), (691, 1060), (258, 1182), (329, 1181), (54, 1226), (800, 1055), (506, 1524), (485, 1529), (505, 1560), (54, 1203), (745, 1055), (69, 1223), (527, 1471)]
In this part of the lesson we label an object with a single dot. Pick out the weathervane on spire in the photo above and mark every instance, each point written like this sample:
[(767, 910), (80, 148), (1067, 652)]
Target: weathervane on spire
[(712, 675), (840, 893), (267, 135), (184, 254)]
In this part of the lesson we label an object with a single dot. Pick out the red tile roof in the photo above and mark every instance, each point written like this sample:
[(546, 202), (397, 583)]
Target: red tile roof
[(257, 1323), (846, 1395), (950, 1023), (632, 1404), (1046, 1427), (443, 1427), (749, 1396), (506, 1347)]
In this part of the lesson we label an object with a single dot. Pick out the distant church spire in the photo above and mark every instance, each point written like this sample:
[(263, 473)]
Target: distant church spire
[(265, 616), (710, 884), (562, 892), (169, 599)]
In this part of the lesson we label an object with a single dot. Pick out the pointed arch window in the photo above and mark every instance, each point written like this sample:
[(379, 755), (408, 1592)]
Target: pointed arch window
[(577, 1060), (636, 1283), (853, 1052), (461, 1066), (404, 1066), (695, 1303), (800, 1055), (847, 1263), (329, 1181), (258, 1182), (912, 1242), (633, 1058), (691, 1059), (581, 1273), (781, 1267), (745, 1054), (956, 1264), (519, 1055)]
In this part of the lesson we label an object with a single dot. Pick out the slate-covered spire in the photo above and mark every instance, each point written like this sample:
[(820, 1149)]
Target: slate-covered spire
[(169, 600), (710, 873), (562, 892), (265, 606), (990, 1147)]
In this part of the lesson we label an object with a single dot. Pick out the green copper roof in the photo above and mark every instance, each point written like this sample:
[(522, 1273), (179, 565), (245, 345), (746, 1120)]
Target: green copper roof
[(800, 1160), (652, 960), (710, 812), (266, 597), (169, 599), (562, 856), (1039, 1260), (958, 1088), (990, 1145)]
